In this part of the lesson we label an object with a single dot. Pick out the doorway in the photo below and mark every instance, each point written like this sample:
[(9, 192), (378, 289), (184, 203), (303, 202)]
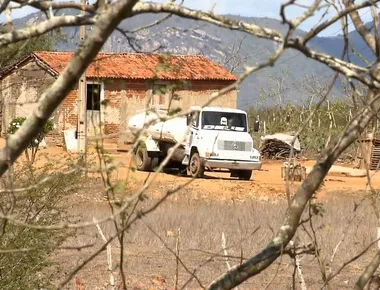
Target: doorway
[(95, 96)]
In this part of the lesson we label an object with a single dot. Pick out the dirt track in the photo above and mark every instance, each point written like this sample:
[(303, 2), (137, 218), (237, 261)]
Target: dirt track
[(265, 182)]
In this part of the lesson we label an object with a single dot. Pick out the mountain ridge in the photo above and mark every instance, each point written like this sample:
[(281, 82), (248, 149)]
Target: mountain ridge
[(232, 49)]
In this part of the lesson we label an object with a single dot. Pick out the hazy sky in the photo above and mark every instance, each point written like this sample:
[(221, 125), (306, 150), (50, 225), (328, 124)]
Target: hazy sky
[(258, 8)]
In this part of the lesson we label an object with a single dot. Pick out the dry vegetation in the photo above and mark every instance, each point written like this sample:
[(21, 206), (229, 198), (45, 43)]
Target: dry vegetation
[(267, 236), (246, 212), (150, 244)]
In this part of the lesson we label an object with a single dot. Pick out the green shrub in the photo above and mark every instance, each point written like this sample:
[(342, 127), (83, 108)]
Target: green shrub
[(42, 205), (33, 146)]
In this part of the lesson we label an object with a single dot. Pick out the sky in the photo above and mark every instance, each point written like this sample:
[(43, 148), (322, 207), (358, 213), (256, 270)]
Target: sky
[(257, 8)]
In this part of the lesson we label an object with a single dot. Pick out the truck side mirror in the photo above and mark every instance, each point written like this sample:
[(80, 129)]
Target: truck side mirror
[(256, 126), (188, 119)]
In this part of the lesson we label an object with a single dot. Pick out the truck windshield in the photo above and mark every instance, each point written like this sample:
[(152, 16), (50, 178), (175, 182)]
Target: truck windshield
[(224, 121)]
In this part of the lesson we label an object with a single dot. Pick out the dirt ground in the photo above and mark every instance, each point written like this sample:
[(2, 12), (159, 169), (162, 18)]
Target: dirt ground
[(203, 210), (263, 182), (266, 182)]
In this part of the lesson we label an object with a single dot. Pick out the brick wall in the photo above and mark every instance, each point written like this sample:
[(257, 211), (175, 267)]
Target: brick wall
[(20, 91), (69, 109), (19, 96), (123, 98), (199, 92)]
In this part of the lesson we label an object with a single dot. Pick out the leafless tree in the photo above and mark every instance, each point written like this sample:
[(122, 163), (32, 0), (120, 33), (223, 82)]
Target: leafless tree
[(106, 18)]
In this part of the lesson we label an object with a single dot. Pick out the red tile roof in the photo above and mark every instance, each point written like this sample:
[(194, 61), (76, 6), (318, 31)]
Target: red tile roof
[(142, 66)]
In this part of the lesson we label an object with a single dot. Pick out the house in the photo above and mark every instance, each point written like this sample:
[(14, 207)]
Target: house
[(118, 84)]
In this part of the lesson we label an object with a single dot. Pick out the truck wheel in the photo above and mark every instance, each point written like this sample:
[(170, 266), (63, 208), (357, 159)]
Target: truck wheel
[(143, 161), (195, 168), (245, 174)]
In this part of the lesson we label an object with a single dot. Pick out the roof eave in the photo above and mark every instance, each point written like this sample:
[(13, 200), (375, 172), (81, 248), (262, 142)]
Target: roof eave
[(163, 79), (24, 61)]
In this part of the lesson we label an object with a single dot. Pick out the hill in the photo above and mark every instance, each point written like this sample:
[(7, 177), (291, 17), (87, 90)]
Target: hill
[(229, 48)]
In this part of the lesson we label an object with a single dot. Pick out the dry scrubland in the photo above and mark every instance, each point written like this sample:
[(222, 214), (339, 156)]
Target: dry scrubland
[(248, 225), (248, 213)]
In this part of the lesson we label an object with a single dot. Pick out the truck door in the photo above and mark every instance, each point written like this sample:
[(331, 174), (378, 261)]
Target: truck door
[(192, 134)]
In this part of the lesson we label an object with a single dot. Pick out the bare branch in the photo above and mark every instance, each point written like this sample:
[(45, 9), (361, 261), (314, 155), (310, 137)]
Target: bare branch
[(359, 26), (304, 193), (47, 5), (4, 4), (209, 17), (349, 9), (309, 12), (348, 69), (49, 101), (369, 271), (44, 27), (157, 22), (375, 17)]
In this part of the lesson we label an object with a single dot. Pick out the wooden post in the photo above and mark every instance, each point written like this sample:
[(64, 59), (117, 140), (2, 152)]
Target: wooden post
[(82, 102), (122, 140)]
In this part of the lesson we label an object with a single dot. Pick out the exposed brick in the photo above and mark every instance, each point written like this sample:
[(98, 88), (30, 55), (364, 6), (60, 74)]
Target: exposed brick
[(116, 115)]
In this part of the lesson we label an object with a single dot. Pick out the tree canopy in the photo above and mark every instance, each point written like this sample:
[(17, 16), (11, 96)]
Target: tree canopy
[(13, 52)]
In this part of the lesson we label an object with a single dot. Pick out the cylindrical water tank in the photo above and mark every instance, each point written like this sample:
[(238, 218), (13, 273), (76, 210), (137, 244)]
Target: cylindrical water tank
[(172, 130)]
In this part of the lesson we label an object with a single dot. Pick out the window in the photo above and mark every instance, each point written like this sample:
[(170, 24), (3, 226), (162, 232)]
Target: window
[(159, 94), (93, 97), (224, 121), (194, 122), (162, 94)]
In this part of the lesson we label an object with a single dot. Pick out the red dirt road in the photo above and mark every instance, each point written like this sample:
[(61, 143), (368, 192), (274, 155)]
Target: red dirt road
[(266, 181)]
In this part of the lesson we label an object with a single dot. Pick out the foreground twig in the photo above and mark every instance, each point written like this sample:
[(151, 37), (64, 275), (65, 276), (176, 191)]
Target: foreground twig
[(369, 271), (109, 254), (177, 246)]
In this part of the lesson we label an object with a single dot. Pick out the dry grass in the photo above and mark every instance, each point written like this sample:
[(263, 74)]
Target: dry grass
[(202, 223)]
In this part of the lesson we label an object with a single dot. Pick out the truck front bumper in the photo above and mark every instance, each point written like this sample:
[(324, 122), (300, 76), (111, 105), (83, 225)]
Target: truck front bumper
[(233, 164)]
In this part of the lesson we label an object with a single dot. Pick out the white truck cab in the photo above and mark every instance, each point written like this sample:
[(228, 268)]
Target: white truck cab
[(219, 139)]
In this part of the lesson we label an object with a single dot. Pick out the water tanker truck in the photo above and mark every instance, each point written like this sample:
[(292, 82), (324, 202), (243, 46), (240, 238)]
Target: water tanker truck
[(210, 138)]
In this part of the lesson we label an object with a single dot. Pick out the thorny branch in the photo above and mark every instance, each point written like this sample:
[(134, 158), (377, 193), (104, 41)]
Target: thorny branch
[(50, 100), (348, 69), (107, 21), (47, 5), (369, 271), (131, 220), (44, 27), (360, 27), (348, 262)]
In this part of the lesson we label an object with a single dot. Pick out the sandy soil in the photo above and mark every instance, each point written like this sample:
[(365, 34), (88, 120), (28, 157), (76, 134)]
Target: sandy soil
[(264, 183), (151, 266), (266, 180)]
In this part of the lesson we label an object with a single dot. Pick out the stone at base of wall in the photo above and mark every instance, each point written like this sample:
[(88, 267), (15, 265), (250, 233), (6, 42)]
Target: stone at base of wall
[(126, 139), (50, 140), (56, 140)]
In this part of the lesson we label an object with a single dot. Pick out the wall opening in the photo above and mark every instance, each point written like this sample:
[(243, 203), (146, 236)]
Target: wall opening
[(163, 95), (95, 113), (93, 96), (160, 95)]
